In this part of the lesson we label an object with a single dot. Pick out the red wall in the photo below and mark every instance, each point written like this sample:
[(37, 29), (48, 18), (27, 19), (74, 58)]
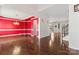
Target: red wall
[(7, 26)]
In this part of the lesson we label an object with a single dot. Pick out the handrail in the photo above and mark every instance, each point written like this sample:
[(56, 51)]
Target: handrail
[(65, 30), (60, 26)]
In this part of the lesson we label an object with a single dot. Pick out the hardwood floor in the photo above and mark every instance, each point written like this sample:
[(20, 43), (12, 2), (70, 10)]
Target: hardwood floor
[(18, 45), (27, 45), (61, 50), (46, 49)]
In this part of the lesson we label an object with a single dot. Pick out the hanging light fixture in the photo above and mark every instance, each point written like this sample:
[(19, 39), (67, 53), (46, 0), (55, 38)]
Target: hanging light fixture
[(16, 22)]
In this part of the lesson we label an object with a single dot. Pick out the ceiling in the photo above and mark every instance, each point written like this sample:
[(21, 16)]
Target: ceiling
[(46, 9), (26, 8), (57, 10)]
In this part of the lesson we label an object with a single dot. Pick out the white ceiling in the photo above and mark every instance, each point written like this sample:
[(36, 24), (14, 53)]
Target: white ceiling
[(57, 10), (26, 8), (44, 6), (30, 8), (46, 9)]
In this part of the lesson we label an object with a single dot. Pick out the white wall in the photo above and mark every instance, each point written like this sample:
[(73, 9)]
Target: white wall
[(8, 12), (52, 13), (73, 28), (44, 30), (0, 10), (44, 23)]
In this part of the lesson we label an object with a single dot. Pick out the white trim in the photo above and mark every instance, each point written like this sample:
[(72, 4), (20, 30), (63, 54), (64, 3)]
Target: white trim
[(25, 21), (74, 48), (16, 20), (14, 29), (39, 33), (39, 28), (16, 34)]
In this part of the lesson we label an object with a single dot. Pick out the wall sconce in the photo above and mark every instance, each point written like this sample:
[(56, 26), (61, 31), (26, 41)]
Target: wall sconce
[(76, 8)]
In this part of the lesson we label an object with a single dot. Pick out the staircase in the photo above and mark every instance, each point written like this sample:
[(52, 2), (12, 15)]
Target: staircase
[(59, 29)]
